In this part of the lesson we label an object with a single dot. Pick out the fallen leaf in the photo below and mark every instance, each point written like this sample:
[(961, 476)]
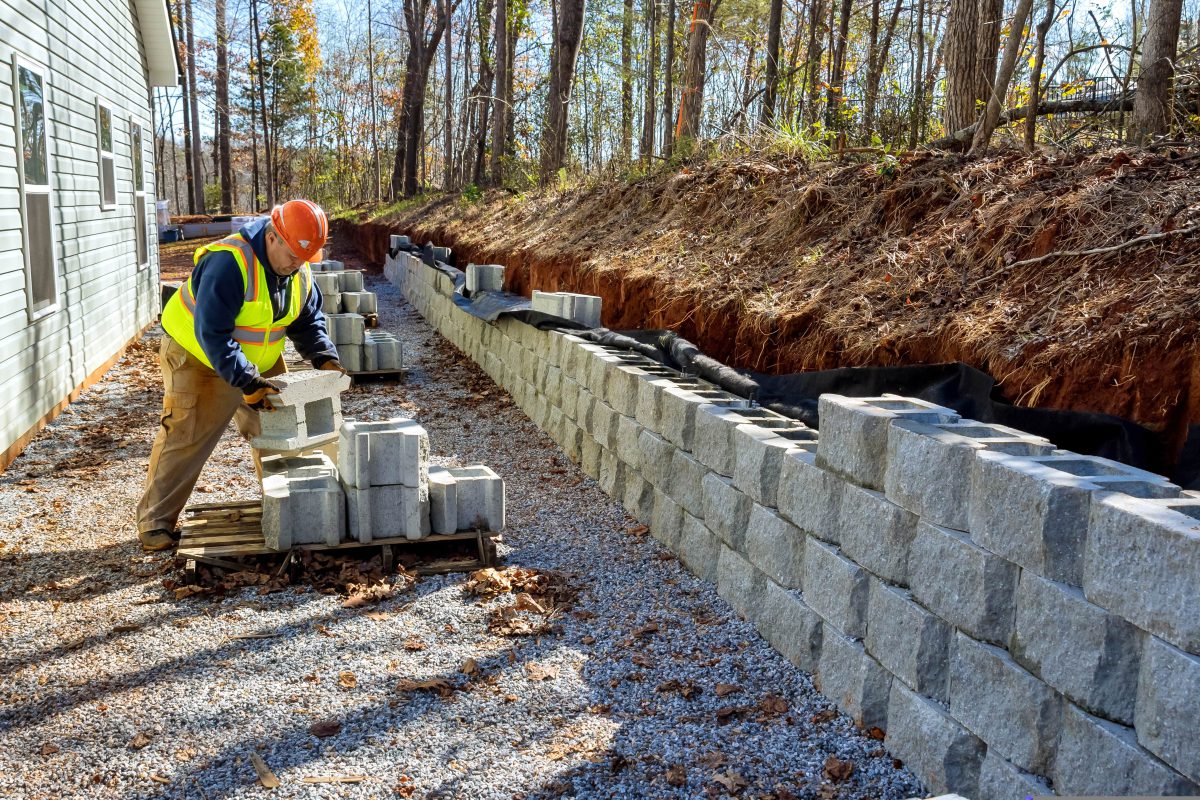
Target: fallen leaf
[(643, 660), (378, 616), (312, 678), (677, 775), (139, 740), (347, 680), (537, 672), (588, 640), (726, 713), (185, 754), (713, 760), (876, 733), (440, 687), (837, 770), (413, 643), (823, 716), (469, 667), (525, 602), (773, 705), (160, 779), (265, 776), (49, 749), (126, 627), (724, 689), (325, 631), (646, 630), (732, 781), (325, 728), (333, 779)]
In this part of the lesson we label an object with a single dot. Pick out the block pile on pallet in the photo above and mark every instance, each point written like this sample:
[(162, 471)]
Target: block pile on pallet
[(349, 312)]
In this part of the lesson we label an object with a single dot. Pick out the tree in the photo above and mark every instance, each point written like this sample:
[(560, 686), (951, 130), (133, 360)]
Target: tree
[(500, 106), (771, 78), (1016, 35), (627, 82), (687, 129), (669, 109), (1035, 74), (646, 148), (562, 77), (224, 167), (1151, 106), (987, 49), (197, 183), (960, 55)]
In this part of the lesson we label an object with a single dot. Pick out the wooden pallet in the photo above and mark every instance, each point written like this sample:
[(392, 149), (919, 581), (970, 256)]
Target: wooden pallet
[(220, 534), (377, 375)]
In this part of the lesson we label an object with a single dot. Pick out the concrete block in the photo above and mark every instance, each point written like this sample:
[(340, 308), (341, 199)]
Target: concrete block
[(969, 587), (657, 455), (628, 440), (1168, 705), (848, 676), (350, 280), (760, 453), (929, 472), (810, 497), (996, 698), (302, 505), (346, 328), (581, 308), (639, 498), (649, 403), (602, 424), (908, 641), (726, 510), (389, 452), (351, 356), (316, 463), (1000, 438), (790, 625), (1100, 758), (485, 278), (327, 282), (387, 512), (572, 441), (443, 501), (1034, 511), (1142, 559), (940, 751), (360, 302), (837, 588), (739, 583), (678, 416), (398, 242), (854, 433), (1001, 780), (621, 391), (480, 495), (1080, 649), (776, 547), (877, 533), (712, 440), (698, 549), (589, 456), (307, 411), (612, 474), (686, 483), (666, 521), (381, 351), (331, 303)]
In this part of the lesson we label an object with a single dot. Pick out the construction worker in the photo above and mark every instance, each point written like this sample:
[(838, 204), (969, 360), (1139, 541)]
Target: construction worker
[(223, 340)]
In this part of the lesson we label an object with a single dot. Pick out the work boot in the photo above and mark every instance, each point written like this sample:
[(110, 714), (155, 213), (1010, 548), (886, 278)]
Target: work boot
[(158, 539)]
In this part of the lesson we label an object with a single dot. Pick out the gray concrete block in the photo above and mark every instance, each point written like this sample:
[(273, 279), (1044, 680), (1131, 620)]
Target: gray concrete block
[(759, 453), (969, 587), (639, 498), (726, 510), (1002, 703), (1000, 780), (790, 625), (686, 483), (776, 547), (381, 351), (612, 474), (570, 390), (480, 495), (302, 503), (1168, 705), (602, 424), (629, 434), (908, 641), (712, 441), (360, 302), (929, 472), (310, 464), (848, 676), (485, 278), (328, 283), (1100, 758), (572, 440), (739, 583), (589, 456), (666, 521), (387, 512), (1034, 511), (1141, 562), (346, 328), (938, 749), (1000, 438), (307, 411), (621, 391), (837, 588), (649, 403), (350, 280), (678, 415), (854, 433), (601, 367), (809, 496), (394, 451), (876, 533), (443, 501), (657, 455), (1080, 649), (698, 549)]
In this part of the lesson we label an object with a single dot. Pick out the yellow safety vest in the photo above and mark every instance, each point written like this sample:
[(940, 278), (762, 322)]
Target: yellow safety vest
[(256, 330)]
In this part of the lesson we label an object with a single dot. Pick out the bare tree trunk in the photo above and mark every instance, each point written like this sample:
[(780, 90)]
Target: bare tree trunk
[(425, 52), (669, 110), (255, 183), (482, 90), (875, 67), (567, 39), (812, 60), (500, 105), (377, 178), (193, 102), (225, 168), (1035, 74), (961, 37), (1016, 35), (838, 68), (268, 160), (1152, 114), (188, 177), (771, 79), (627, 83), (918, 81), (987, 49), (448, 178), (646, 147), (687, 129)]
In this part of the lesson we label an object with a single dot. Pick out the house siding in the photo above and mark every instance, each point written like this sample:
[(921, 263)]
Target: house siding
[(89, 51)]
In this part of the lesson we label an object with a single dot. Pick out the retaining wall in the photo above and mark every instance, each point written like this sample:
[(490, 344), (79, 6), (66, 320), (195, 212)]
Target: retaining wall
[(1019, 620)]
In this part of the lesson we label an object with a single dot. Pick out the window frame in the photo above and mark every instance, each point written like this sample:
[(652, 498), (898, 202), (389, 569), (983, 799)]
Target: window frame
[(137, 162), (25, 188), (102, 154)]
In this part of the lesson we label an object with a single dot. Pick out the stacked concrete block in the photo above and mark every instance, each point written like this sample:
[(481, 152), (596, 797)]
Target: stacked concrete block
[(307, 413), (876, 533), (699, 550), (810, 497), (302, 502), (1168, 704), (739, 583), (760, 454), (581, 308), (346, 329), (686, 482), (381, 351), (398, 242), (1001, 780), (838, 588), (726, 510), (385, 471), (791, 626), (932, 743), (913, 644), (465, 499), (360, 303), (485, 278), (775, 546), (856, 681)]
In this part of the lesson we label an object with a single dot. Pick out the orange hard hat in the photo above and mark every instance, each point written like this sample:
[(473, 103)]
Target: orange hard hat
[(303, 225)]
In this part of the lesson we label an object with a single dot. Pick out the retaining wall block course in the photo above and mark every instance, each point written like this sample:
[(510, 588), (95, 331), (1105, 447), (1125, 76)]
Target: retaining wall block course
[(569, 392), (998, 700), (1100, 758), (572, 441), (726, 510), (929, 472), (969, 587), (854, 433), (712, 441), (698, 549), (598, 374), (858, 684), (775, 546), (657, 454), (809, 496), (554, 423), (686, 483), (678, 414), (583, 409), (838, 588), (1000, 780), (739, 582), (622, 388), (790, 625), (1168, 705), (629, 448), (592, 374), (612, 474), (649, 403), (938, 749), (666, 521), (604, 423), (1080, 649), (760, 453), (443, 501), (1141, 562), (908, 641), (639, 497), (385, 512), (1034, 511), (876, 533), (589, 456), (394, 451)]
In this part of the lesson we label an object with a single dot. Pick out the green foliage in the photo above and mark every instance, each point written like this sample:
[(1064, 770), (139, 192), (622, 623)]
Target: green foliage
[(472, 193), (212, 195), (795, 140)]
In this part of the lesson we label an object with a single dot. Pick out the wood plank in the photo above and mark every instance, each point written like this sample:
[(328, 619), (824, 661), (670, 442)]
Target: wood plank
[(226, 506)]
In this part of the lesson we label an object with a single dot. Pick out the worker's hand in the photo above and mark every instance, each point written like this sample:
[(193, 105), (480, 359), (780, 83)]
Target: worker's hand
[(256, 394), (335, 365)]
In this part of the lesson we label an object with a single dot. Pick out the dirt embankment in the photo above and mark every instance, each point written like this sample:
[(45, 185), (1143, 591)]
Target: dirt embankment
[(780, 266)]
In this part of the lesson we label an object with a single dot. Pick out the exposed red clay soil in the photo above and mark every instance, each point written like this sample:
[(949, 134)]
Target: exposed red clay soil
[(779, 266)]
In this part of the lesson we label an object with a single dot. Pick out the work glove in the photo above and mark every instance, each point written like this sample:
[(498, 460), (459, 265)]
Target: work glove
[(256, 394), (335, 365)]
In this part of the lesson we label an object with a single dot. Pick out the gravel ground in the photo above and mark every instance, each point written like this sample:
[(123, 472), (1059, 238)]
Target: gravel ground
[(110, 687)]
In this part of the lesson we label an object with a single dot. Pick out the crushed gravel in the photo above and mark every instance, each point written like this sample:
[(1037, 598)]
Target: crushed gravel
[(112, 688)]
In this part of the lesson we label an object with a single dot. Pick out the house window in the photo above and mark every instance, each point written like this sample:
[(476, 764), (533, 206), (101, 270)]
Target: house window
[(104, 146), (139, 194), (34, 171)]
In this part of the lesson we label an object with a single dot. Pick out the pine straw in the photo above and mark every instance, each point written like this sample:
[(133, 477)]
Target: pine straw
[(838, 264)]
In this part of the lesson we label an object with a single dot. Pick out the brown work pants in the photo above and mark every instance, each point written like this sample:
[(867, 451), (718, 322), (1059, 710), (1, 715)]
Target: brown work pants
[(197, 407)]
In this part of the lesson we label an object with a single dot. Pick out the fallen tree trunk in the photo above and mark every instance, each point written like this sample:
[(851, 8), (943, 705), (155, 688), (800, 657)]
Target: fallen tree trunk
[(961, 139)]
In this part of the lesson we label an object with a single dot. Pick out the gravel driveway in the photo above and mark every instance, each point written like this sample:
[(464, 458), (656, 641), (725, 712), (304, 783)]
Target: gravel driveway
[(646, 686)]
